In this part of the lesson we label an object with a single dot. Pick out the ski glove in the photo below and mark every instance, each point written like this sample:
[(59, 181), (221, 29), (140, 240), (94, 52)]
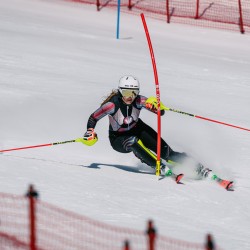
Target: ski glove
[(90, 137), (89, 134), (151, 104), (153, 108)]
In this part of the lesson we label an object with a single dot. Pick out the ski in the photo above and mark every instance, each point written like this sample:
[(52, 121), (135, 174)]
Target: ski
[(201, 170), (207, 173), (228, 185), (176, 177)]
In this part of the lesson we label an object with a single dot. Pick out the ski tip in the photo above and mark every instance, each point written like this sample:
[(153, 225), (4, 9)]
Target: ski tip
[(178, 178), (228, 185)]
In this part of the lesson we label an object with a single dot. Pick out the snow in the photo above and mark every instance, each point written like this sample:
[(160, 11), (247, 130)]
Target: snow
[(57, 62)]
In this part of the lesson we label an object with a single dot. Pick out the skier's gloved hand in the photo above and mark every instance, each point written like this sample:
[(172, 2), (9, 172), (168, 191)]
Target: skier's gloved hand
[(90, 134), (152, 105), (89, 138), (152, 108)]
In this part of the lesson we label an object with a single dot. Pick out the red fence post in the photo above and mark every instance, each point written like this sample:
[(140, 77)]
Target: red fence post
[(241, 18), (129, 5), (32, 195), (197, 9), (151, 232), (98, 5), (167, 8), (126, 245), (209, 243)]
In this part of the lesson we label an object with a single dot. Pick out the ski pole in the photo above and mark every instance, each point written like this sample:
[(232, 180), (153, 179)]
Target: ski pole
[(48, 144), (204, 118), (37, 146), (153, 101)]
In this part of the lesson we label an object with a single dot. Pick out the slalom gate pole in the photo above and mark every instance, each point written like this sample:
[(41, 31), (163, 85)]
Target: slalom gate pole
[(157, 95), (38, 146), (118, 19)]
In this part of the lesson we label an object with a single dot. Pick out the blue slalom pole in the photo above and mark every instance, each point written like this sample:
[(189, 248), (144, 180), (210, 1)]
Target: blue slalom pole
[(118, 18)]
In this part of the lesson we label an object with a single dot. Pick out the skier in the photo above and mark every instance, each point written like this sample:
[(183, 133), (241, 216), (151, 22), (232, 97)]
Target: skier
[(128, 133)]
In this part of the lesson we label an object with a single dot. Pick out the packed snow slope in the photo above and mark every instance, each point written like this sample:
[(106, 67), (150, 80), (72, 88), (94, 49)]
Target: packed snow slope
[(58, 60)]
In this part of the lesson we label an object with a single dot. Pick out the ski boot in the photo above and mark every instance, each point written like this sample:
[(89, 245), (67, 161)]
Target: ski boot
[(204, 172), (207, 173)]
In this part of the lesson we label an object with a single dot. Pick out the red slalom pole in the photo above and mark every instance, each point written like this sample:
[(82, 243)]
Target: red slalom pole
[(38, 146), (157, 95)]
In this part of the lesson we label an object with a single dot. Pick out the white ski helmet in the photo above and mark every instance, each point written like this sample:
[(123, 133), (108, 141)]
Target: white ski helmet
[(129, 82)]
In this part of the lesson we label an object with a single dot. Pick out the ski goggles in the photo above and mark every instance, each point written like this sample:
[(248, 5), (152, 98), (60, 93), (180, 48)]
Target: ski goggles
[(129, 92)]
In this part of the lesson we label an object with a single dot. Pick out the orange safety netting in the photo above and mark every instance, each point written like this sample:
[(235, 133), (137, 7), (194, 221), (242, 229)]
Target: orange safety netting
[(223, 14), (59, 229)]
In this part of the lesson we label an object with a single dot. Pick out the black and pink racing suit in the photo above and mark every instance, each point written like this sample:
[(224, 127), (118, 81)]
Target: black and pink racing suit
[(126, 128)]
